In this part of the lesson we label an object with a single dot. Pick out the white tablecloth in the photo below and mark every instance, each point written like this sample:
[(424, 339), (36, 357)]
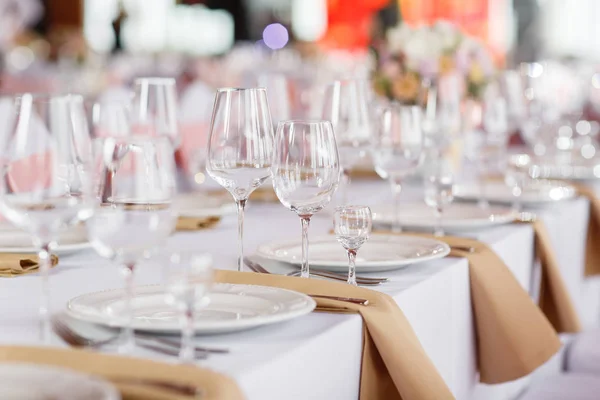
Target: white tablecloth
[(318, 356)]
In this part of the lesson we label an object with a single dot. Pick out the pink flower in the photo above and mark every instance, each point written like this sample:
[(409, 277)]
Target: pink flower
[(429, 68)]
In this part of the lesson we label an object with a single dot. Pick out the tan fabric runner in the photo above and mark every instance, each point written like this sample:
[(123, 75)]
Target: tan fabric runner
[(214, 386), (554, 298), (513, 335), (15, 264), (394, 365), (592, 246), (195, 224)]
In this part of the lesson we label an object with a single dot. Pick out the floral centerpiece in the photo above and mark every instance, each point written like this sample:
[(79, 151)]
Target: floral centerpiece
[(410, 56)]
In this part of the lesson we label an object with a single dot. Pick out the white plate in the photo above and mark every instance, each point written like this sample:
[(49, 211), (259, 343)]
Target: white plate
[(64, 249), (198, 205), (379, 253), (457, 216), (577, 168), (14, 240), (537, 193), (23, 381), (231, 308)]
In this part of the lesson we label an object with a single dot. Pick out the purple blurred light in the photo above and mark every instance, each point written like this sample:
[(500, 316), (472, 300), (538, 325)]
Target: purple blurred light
[(275, 36)]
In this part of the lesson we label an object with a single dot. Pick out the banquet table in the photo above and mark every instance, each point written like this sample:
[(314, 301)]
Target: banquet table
[(318, 356)]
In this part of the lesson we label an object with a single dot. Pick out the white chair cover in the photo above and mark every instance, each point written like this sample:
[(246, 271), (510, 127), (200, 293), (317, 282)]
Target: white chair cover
[(583, 354)]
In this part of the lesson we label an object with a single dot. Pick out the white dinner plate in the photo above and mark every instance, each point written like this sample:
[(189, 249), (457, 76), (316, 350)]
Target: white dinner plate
[(25, 381), (231, 308), (198, 205), (537, 193), (14, 240), (457, 217), (379, 253), (577, 168)]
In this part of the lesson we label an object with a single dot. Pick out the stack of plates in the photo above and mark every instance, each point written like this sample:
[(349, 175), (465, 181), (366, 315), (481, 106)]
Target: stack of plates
[(537, 193), (14, 240)]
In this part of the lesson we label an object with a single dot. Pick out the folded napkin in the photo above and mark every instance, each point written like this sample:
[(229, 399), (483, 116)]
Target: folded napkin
[(214, 386), (264, 194), (592, 247), (513, 335), (196, 223), (554, 299), (394, 365), (15, 264)]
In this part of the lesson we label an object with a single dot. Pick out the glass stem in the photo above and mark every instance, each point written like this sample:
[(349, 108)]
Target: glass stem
[(482, 203), (304, 272), (187, 353), (438, 231), (126, 339), (352, 267), (241, 204), (396, 190), (45, 257), (517, 203)]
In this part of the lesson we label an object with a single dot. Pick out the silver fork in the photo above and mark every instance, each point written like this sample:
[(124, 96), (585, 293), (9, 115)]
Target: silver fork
[(74, 339), (256, 267)]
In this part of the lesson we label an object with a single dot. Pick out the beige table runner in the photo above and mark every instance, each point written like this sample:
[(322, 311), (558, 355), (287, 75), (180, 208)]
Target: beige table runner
[(214, 386)]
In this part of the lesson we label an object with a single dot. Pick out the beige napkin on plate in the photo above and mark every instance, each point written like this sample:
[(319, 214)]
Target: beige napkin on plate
[(15, 264), (196, 223), (394, 365), (513, 335), (214, 386), (592, 246)]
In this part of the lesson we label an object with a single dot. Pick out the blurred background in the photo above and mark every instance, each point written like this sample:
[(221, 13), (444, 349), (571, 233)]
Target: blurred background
[(89, 45)]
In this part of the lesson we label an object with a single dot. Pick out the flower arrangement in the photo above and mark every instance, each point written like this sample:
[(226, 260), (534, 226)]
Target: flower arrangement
[(411, 55)]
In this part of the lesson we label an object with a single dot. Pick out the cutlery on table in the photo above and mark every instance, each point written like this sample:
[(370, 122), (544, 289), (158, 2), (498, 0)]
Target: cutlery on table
[(256, 267), (71, 337)]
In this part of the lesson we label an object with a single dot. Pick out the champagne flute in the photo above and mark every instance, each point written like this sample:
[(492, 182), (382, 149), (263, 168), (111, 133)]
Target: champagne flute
[(347, 106), (352, 226), (305, 171), (439, 190), (188, 279), (46, 183), (138, 216), (398, 149), (240, 146)]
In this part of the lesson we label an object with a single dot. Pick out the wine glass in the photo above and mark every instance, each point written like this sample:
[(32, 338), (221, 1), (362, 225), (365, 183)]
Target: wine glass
[(520, 171), (398, 148), (240, 146), (305, 171), (188, 280), (442, 114), (138, 215), (46, 184), (278, 93), (439, 189), (347, 106), (352, 226)]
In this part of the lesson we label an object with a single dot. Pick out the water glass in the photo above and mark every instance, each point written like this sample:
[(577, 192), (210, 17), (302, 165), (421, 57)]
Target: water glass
[(439, 190), (347, 104), (138, 216), (398, 149), (305, 171), (352, 226), (520, 171), (46, 184), (240, 146), (188, 280)]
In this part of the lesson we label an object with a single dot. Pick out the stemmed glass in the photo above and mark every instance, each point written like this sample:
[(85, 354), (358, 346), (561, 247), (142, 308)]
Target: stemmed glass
[(46, 175), (189, 277), (138, 215), (352, 226), (398, 149), (520, 171), (305, 171), (347, 106), (439, 189), (278, 93), (240, 146)]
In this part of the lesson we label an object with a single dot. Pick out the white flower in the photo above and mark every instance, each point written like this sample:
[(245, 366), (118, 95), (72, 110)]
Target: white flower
[(423, 46), (398, 36)]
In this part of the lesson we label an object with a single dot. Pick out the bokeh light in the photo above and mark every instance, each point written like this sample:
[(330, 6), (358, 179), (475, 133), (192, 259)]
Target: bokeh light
[(275, 36)]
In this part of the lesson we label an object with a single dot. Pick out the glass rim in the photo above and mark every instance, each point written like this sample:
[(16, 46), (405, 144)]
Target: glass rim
[(41, 97), (352, 207), (239, 89), (155, 80), (132, 139), (304, 121)]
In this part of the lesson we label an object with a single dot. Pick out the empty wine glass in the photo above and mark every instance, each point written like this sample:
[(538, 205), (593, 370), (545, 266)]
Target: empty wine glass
[(520, 171), (46, 183), (138, 216), (398, 148), (439, 190), (442, 114), (305, 171), (347, 106), (352, 226), (278, 93), (240, 146), (188, 280)]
